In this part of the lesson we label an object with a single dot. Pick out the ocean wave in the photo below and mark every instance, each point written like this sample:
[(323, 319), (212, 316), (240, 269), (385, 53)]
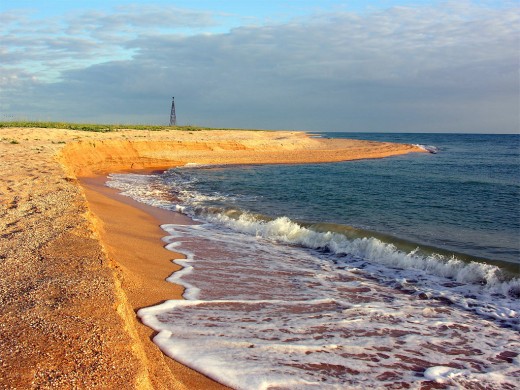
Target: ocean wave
[(429, 148), (283, 230), (483, 288), (149, 189)]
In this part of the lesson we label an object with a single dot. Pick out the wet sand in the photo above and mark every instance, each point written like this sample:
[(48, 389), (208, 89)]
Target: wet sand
[(132, 236), (77, 260)]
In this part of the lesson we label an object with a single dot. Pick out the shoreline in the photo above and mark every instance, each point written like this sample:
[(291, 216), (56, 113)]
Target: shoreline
[(67, 297), (143, 265)]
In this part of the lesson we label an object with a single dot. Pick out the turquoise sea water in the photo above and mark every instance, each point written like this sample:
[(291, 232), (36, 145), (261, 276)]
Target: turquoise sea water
[(464, 199), (391, 273)]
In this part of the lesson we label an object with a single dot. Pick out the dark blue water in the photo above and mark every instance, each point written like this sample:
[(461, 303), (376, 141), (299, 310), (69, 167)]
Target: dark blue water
[(465, 199)]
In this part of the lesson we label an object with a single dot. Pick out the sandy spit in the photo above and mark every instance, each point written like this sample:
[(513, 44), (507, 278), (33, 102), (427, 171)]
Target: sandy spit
[(68, 293)]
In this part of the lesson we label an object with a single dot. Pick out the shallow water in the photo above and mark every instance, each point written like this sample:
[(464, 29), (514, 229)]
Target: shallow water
[(264, 315)]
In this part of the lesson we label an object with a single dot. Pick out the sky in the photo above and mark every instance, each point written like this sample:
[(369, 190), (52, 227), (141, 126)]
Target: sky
[(315, 65)]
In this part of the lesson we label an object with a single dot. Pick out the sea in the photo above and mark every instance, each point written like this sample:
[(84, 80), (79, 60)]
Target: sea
[(402, 272)]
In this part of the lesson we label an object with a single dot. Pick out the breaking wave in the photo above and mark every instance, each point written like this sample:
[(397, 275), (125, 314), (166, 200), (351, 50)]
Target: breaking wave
[(283, 230), (429, 148), (479, 287)]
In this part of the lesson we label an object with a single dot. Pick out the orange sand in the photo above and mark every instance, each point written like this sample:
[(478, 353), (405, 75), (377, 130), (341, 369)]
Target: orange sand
[(131, 234)]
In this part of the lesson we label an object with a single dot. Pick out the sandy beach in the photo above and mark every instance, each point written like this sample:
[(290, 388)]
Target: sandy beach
[(78, 259)]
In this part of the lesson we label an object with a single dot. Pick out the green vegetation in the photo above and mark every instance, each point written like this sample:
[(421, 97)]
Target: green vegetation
[(11, 141), (98, 127)]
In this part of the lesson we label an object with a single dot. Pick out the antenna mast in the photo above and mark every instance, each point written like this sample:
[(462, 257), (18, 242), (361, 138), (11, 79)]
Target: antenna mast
[(173, 117)]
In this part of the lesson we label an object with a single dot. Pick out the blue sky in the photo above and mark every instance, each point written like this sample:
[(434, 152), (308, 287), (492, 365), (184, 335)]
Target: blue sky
[(268, 9), (329, 65)]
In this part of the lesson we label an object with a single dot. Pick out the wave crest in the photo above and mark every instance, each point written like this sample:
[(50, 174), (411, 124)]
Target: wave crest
[(371, 249), (429, 148)]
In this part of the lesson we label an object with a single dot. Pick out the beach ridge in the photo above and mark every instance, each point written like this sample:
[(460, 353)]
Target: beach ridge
[(163, 149), (73, 279)]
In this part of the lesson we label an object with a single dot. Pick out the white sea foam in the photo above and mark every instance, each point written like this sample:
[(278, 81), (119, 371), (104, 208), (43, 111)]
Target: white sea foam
[(441, 374), (271, 315), (371, 249), (194, 165), (148, 189), (428, 148), (191, 292)]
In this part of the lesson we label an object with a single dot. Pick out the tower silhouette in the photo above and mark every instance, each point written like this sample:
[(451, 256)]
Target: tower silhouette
[(173, 116)]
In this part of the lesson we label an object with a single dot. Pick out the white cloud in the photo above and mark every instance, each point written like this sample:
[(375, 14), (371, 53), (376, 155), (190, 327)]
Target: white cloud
[(444, 68)]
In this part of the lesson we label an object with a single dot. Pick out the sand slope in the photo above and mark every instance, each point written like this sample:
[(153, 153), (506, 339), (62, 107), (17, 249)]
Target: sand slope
[(65, 318), (138, 149)]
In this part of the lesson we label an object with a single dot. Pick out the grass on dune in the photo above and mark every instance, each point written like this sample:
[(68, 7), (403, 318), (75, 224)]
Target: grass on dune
[(103, 128)]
